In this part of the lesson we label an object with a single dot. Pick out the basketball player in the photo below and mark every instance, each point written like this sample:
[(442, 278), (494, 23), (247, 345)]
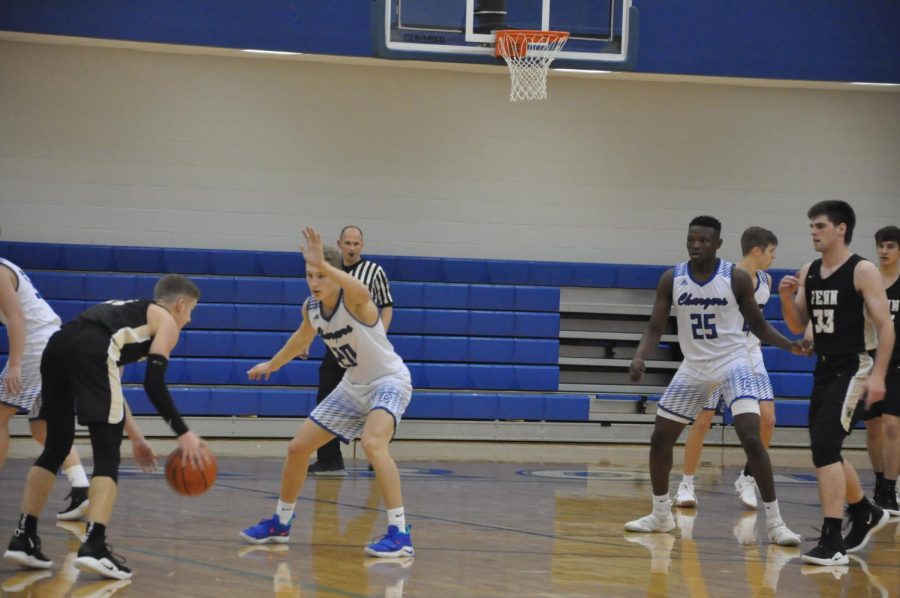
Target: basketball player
[(843, 295), (328, 458), (758, 246), (30, 322), (882, 423), (368, 402), (80, 372), (714, 300)]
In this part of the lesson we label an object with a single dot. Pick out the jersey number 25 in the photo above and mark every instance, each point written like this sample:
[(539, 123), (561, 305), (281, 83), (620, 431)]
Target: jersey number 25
[(704, 326)]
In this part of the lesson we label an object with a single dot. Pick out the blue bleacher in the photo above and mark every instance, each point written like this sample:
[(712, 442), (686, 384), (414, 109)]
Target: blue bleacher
[(281, 291), (790, 414), (480, 336), (284, 402), (419, 348), (777, 360), (52, 256), (231, 371), (791, 384), (406, 321)]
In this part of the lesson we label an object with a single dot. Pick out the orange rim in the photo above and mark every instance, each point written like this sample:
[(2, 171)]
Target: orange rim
[(513, 43)]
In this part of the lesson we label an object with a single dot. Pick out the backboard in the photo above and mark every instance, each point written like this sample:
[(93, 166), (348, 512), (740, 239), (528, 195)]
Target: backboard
[(603, 33)]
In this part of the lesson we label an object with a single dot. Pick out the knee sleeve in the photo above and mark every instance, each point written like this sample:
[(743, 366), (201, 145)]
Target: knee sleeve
[(60, 436), (826, 445), (54, 454), (106, 442)]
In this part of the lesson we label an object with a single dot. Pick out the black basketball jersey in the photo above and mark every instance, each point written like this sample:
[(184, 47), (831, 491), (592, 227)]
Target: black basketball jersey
[(841, 325), (893, 295), (126, 324)]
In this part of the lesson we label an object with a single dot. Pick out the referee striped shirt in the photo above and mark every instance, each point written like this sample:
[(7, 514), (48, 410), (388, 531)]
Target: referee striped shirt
[(372, 275)]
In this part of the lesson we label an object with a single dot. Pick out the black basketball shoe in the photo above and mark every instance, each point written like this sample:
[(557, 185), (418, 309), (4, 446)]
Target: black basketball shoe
[(828, 552), (862, 527), (25, 551), (887, 500), (879, 492), (98, 558), (331, 468), (78, 506)]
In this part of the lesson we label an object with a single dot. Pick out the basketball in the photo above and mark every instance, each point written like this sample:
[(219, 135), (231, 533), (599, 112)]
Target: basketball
[(189, 480)]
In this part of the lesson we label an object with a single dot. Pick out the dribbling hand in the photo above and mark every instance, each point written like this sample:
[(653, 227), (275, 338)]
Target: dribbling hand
[(191, 453)]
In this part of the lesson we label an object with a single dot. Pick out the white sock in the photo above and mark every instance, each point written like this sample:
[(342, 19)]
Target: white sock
[(77, 477), (285, 510), (397, 517), (773, 513), (687, 478), (662, 505)]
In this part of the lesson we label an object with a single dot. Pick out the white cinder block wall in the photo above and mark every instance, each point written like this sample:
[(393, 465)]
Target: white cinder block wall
[(116, 146)]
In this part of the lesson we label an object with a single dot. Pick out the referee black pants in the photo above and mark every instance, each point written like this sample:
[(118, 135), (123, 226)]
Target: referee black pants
[(330, 374)]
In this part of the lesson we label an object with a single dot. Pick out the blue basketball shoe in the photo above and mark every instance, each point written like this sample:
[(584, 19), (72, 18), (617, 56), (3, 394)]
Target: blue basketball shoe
[(393, 544), (268, 531)]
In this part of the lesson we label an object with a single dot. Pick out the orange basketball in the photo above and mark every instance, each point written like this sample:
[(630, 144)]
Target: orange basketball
[(188, 480)]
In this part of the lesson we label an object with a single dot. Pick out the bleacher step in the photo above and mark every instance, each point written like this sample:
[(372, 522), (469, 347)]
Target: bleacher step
[(616, 363), (611, 336), (282, 429), (605, 308), (611, 388), (624, 418), (615, 404)]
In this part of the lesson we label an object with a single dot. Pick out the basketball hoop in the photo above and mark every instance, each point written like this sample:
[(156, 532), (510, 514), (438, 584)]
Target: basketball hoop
[(528, 55)]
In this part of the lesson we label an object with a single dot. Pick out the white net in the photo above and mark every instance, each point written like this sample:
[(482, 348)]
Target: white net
[(528, 55)]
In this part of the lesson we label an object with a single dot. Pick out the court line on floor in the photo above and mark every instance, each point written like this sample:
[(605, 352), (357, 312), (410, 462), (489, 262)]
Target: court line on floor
[(453, 521), (224, 568), (487, 526)]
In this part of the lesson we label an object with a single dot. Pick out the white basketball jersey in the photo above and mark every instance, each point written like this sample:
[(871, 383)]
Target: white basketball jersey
[(364, 351), (761, 293), (710, 324), (40, 319)]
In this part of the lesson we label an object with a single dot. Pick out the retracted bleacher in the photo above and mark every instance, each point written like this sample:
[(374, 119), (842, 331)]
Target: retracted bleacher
[(475, 351), (485, 340)]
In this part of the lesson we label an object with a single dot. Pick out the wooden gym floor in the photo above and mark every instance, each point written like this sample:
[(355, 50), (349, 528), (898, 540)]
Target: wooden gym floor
[(479, 529)]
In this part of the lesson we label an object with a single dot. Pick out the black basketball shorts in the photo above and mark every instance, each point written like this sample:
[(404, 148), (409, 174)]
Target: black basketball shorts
[(78, 374), (838, 383), (891, 403)]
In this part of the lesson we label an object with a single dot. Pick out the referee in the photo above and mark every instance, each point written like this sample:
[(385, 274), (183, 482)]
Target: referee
[(328, 458)]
